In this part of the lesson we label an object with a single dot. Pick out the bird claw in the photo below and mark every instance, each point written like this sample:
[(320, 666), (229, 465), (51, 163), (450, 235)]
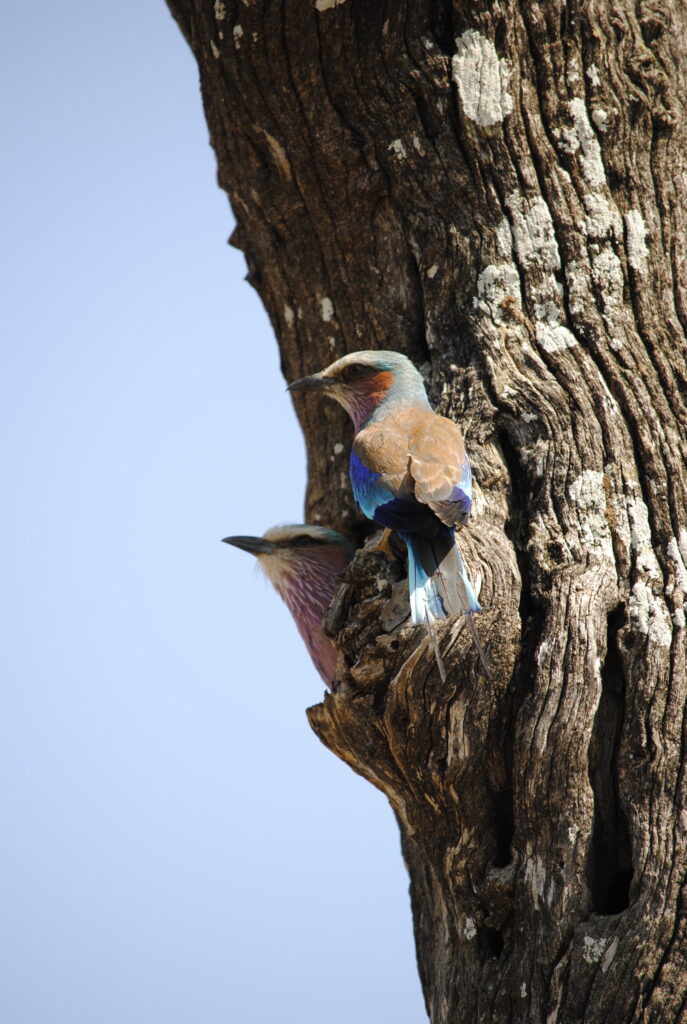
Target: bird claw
[(385, 547)]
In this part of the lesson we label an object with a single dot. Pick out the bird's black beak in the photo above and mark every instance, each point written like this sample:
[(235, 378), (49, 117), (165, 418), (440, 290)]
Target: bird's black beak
[(314, 383), (254, 545)]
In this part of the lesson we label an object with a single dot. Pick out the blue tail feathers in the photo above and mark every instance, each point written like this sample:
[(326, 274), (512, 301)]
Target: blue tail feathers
[(437, 578)]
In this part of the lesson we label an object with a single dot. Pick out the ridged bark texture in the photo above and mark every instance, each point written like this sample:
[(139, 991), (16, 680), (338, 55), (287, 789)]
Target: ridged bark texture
[(498, 190)]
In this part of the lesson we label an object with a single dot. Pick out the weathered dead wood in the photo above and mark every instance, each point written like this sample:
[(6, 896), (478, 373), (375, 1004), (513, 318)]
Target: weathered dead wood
[(499, 191)]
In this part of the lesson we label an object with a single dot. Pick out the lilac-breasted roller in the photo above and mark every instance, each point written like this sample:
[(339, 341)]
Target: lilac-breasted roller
[(410, 473), (302, 563)]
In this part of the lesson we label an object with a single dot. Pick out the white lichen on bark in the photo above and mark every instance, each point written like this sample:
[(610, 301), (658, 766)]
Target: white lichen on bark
[(592, 73), (583, 141), (593, 949), (533, 234), (635, 241), (482, 79), (600, 119), (554, 338), (497, 283), (675, 555), (588, 493)]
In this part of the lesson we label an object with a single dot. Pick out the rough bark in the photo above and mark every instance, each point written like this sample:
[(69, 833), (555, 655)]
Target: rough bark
[(498, 190)]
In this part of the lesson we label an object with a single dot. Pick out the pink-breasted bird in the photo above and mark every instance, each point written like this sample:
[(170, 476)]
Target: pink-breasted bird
[(410, 473), (302, 563)]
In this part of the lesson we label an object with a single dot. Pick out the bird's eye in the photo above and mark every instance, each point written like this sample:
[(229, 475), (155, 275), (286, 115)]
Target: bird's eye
[(356, 371), (302, 541)]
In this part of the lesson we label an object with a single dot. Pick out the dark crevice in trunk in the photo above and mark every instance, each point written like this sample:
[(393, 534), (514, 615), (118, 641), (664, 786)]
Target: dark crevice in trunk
[(531, 616), (609, 869), (531, 624), (442, 29), (503, 830), (490, 942)]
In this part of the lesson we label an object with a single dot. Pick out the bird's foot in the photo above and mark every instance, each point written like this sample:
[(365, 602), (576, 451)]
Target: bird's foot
[(384, 546)]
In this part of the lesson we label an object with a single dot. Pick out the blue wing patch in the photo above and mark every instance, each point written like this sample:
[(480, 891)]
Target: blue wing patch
[(462, 501), (368, 490), (465, 482), (459, 501), (379, 503)]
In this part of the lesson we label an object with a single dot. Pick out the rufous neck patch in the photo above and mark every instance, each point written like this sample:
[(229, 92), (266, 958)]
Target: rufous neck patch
[(376, 385)]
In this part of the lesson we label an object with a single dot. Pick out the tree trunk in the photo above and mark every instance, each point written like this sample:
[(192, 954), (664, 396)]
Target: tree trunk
[(497, 190)]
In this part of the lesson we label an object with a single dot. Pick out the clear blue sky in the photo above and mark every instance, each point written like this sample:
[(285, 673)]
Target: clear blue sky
[(176, 844)]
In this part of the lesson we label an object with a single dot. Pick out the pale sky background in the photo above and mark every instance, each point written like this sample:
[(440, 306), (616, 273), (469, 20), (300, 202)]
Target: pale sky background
[(176, 845)]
